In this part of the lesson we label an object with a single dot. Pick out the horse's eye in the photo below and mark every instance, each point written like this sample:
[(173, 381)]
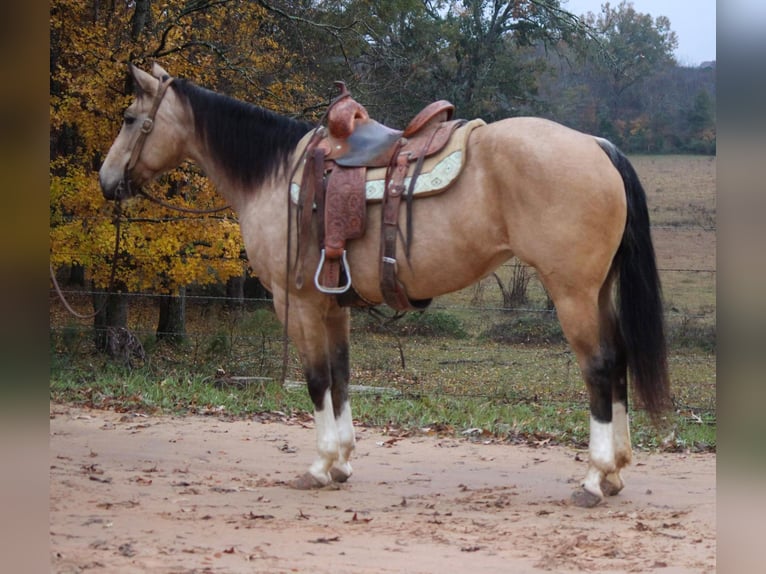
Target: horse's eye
[(129, 120)]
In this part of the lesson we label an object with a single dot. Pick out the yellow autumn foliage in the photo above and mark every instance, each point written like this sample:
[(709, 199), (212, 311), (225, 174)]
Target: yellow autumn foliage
[(232, 47)]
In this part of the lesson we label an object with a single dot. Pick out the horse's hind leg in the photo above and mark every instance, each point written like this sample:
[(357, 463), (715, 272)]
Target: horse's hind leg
[(612, 342), (589, 324), (623, 454)]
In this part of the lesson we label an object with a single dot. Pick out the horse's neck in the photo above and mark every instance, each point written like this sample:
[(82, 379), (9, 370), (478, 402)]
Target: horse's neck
[(223, 183), (235, 194)]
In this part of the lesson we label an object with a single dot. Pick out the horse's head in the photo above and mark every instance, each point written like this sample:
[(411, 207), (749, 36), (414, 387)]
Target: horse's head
[(151, 139)]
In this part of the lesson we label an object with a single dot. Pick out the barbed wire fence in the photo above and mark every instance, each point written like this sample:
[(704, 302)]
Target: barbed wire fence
[(472, 333)]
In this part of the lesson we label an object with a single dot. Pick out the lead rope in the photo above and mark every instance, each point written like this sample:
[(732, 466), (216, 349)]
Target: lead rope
[(167, 205), (116, 215), (138, 145)]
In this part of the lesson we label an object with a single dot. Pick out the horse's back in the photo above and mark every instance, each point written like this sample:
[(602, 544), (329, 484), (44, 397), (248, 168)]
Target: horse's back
[(529, 187)]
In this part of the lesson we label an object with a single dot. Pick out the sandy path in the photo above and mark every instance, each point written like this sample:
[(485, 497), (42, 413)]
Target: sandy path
[(196, 494)]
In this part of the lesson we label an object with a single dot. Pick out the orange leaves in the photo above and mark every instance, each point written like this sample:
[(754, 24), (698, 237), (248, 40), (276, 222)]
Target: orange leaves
[(232, 47)]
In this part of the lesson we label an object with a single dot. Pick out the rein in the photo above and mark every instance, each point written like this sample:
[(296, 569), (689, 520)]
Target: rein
[(167, 205), (117, 216)]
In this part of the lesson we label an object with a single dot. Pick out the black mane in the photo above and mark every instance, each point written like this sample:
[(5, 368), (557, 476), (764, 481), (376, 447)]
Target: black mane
[(252, 143)]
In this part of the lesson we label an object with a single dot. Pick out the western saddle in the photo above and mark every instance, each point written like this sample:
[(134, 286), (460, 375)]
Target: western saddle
[(336, 161)]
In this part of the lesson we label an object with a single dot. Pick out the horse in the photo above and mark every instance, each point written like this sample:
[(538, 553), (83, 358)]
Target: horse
[(567, 203)]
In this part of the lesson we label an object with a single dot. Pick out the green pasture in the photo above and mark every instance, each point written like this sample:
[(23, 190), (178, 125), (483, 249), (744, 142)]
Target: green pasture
[(479, 363)]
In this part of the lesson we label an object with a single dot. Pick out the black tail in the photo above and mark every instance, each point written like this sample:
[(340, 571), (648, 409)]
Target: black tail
[(640, 295)]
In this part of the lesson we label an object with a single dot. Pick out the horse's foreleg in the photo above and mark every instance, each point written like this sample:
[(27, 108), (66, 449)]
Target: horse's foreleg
[(318, 378), (307, 329), (339, 367), (320, 330), (328, 387)]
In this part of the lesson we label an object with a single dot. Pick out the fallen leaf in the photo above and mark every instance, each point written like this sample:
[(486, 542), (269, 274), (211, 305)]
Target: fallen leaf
[(105, 480), (641, 527), (323, 540), (127, 550), (252, 516)]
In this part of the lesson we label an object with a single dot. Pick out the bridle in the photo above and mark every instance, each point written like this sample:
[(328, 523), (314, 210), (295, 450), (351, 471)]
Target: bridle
[(146, 128)]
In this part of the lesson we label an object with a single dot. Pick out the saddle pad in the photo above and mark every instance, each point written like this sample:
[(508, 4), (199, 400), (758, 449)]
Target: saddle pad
[(438, 171)]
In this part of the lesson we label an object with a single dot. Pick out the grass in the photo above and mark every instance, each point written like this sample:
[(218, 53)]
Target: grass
[(508, 414), (465, 367), (451, 382)]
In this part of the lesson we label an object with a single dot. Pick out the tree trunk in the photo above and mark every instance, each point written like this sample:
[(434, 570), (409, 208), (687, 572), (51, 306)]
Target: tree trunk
[(112, 314), (76, 275), (254, 289), (141, 18), (172, 324), (235, 292)]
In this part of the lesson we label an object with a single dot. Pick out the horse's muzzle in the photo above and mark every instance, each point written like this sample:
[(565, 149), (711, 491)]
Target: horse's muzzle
[(124, 189)]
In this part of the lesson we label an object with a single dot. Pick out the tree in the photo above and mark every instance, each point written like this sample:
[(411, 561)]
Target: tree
[(231, 46), (399, 55), (631, 47), (701, 122)]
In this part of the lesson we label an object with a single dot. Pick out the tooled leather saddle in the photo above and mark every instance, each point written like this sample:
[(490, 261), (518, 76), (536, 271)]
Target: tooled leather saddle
[(337, 159)]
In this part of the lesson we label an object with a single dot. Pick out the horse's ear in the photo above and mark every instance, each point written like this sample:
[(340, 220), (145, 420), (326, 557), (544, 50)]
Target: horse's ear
[(142, 82), (159, 72)]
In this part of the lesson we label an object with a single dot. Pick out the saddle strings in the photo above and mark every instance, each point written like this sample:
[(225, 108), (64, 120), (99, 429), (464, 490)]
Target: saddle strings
[(314, 138)]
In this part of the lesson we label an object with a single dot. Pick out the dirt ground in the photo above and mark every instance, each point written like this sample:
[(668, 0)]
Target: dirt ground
[(163, 494)]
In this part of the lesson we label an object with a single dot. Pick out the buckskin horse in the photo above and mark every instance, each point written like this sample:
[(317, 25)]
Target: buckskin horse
[(567, 203)]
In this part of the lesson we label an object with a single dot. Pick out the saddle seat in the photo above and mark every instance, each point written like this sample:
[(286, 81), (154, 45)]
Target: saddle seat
[(339, 159), (353, 139)]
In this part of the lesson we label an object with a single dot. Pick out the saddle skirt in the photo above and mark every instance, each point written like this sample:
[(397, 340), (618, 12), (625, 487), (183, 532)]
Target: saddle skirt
[(436, 175)]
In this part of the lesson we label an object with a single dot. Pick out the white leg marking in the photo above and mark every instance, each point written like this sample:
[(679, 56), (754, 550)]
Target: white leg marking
[(327, 441), (613, 482), (601, 450), (347, 439), (622, 450), (602, 445), (592, 482)]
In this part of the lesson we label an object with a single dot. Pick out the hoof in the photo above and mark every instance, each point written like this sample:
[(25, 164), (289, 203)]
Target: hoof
[(338, 475), (306, 481), (585, 499), (609, 488)]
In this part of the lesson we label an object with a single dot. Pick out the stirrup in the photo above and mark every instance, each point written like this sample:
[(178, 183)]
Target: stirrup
[(332, 290)]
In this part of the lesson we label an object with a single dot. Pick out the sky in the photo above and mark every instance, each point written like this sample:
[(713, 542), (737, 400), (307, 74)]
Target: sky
[(693, 21)]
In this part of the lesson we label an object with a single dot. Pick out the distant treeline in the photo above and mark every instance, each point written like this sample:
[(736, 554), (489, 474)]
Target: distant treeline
[(669, 111)]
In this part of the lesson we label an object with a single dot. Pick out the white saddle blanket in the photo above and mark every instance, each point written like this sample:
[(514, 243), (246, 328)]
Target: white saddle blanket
[(436, 175)]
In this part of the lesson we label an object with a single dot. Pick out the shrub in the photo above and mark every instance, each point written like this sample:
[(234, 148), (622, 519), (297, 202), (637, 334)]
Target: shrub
[(692, 333), (433, 324), (534, 328), (425, 324)]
